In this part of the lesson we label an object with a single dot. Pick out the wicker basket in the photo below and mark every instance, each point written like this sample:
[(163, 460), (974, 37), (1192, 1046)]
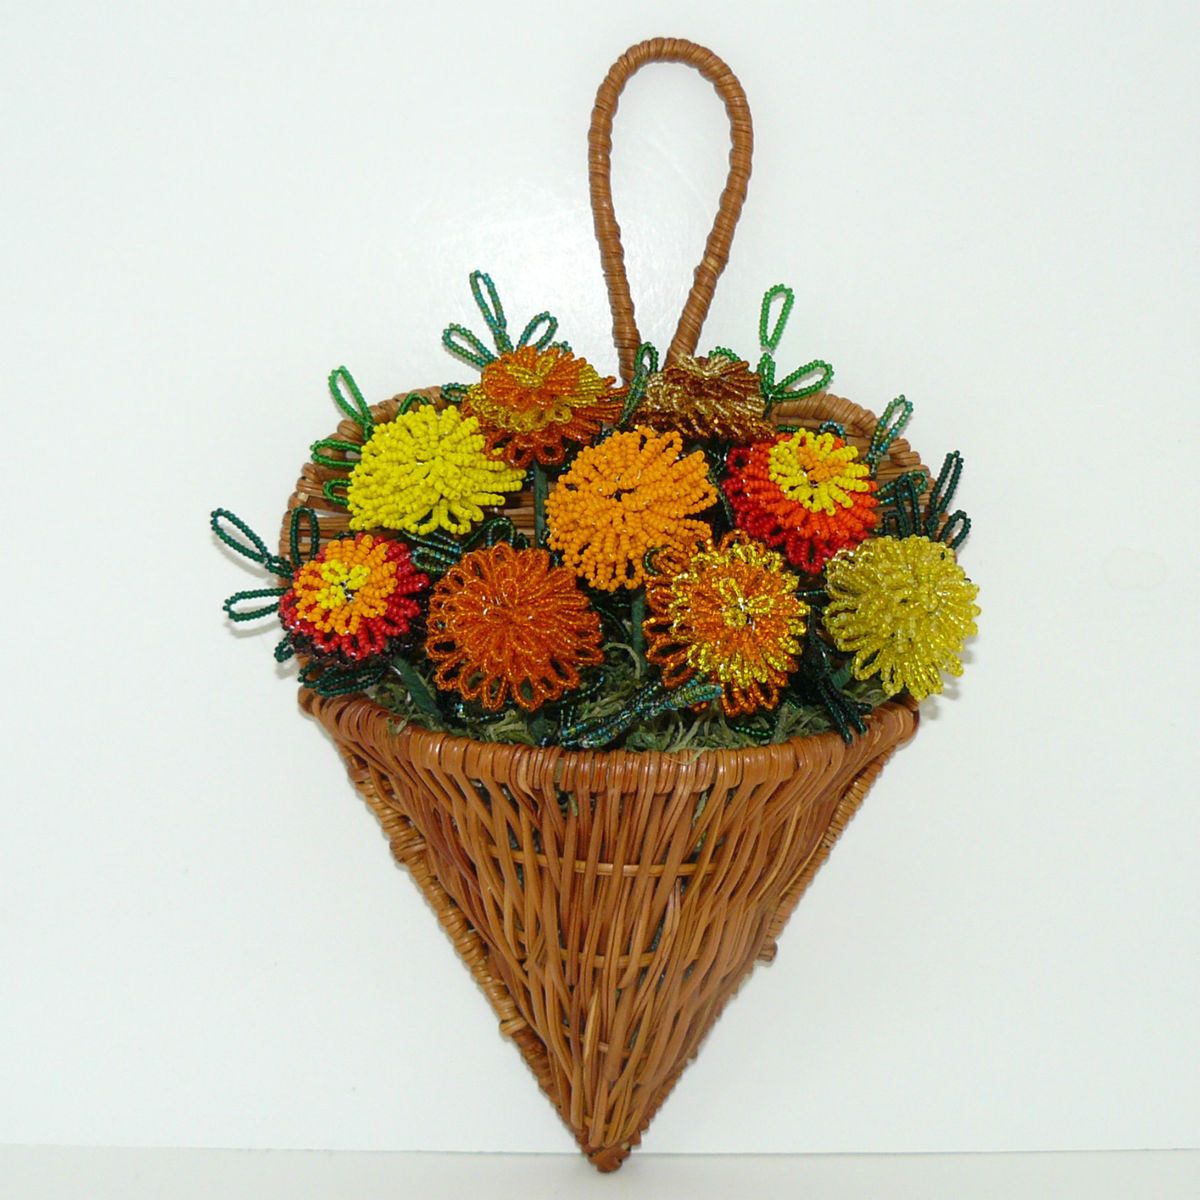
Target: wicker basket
[(610, 903)]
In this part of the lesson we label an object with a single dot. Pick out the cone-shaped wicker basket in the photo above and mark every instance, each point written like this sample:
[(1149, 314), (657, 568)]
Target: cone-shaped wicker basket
[(610, 903)]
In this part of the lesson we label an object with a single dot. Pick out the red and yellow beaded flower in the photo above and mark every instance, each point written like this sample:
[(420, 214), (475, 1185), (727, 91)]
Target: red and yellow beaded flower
[(530, 403), (633, 492), (805, 492), (729, 614), (507, 624), (354, 599)]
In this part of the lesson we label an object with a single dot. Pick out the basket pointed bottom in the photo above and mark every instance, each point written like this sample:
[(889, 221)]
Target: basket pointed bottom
[(609, 903)]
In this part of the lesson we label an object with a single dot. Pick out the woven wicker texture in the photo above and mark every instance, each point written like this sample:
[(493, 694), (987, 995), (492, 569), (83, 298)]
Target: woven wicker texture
[(610, 903)]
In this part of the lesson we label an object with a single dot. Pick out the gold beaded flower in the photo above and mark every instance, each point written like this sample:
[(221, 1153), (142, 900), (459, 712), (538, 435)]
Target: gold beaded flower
[(531, 402), (426, 470), (904, 608), (714, 397), (631, 493), (727, 613)]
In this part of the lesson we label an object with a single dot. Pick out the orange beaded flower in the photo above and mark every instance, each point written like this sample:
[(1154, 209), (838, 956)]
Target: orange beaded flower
[(353, 599), (729, 614), (805, 492), (713, 397), (531, 402), (630, 494), (508, 624)]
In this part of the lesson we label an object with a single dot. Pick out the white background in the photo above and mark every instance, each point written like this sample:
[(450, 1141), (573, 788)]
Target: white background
[(990, 207)]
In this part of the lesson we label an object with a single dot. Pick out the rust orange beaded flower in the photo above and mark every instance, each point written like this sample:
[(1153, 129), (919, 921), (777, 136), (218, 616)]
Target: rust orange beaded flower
[(531, 402), (507, 624), (805, 492), (353, 599), (727, 613), (715, 397), (633, 492)]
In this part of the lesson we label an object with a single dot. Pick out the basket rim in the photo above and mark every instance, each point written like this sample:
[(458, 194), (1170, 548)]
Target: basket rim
[(416, 742)]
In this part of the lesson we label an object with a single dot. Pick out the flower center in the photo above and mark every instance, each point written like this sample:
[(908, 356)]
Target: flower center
[(813, 470), (341, 582), (737, 609)]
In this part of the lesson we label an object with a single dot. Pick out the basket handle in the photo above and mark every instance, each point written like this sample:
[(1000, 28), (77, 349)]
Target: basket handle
[(608, 232)]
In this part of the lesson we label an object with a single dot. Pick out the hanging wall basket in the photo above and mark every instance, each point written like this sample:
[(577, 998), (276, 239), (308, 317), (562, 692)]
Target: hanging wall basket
[(615, 663)]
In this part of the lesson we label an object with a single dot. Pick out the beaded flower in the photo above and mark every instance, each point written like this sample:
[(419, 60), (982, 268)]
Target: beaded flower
[(506, 624), (354, 599), (729, 614), (633, 492), (715, 397), (903, 607), (530, 403), (805, 492), (426, 470)]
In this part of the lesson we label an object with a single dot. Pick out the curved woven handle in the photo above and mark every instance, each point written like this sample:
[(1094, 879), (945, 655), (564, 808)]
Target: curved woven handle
[(608, 232)]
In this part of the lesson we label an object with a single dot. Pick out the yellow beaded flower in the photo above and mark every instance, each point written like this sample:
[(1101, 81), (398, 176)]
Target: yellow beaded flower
[(904, 608), (426, 470), (727, 613), (630, 494)]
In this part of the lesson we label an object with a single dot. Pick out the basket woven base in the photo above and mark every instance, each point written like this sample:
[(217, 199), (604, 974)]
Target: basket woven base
[(609, 904)]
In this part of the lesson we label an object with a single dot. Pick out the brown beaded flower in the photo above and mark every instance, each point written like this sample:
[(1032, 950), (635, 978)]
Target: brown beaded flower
[(715, 397), (531, 402), (727, 613), (508, 624), (632, 493)]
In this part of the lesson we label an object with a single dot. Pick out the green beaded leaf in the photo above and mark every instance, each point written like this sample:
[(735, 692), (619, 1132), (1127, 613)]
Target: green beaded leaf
[(334, 490), (342, 449), (888, 428), (724, 352), (462, 343), (645, 364), (768, 336), (249, 545), (236, 613), (787, 388), (349, 399), (493, 311), (304, 536), (544, 337), (284, 649), (454, 393), (327, 680), (411, 401)]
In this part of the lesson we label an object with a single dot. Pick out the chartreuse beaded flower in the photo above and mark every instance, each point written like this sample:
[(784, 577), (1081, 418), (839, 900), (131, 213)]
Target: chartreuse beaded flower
[(353, 599), (531, 402), (507, 624), (633, 492), (729, 614), (904, 608), (805, 492), (426, 470)]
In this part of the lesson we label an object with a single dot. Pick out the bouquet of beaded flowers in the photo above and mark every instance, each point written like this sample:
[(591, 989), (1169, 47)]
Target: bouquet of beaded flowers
[(615, 663), (695, 576)]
